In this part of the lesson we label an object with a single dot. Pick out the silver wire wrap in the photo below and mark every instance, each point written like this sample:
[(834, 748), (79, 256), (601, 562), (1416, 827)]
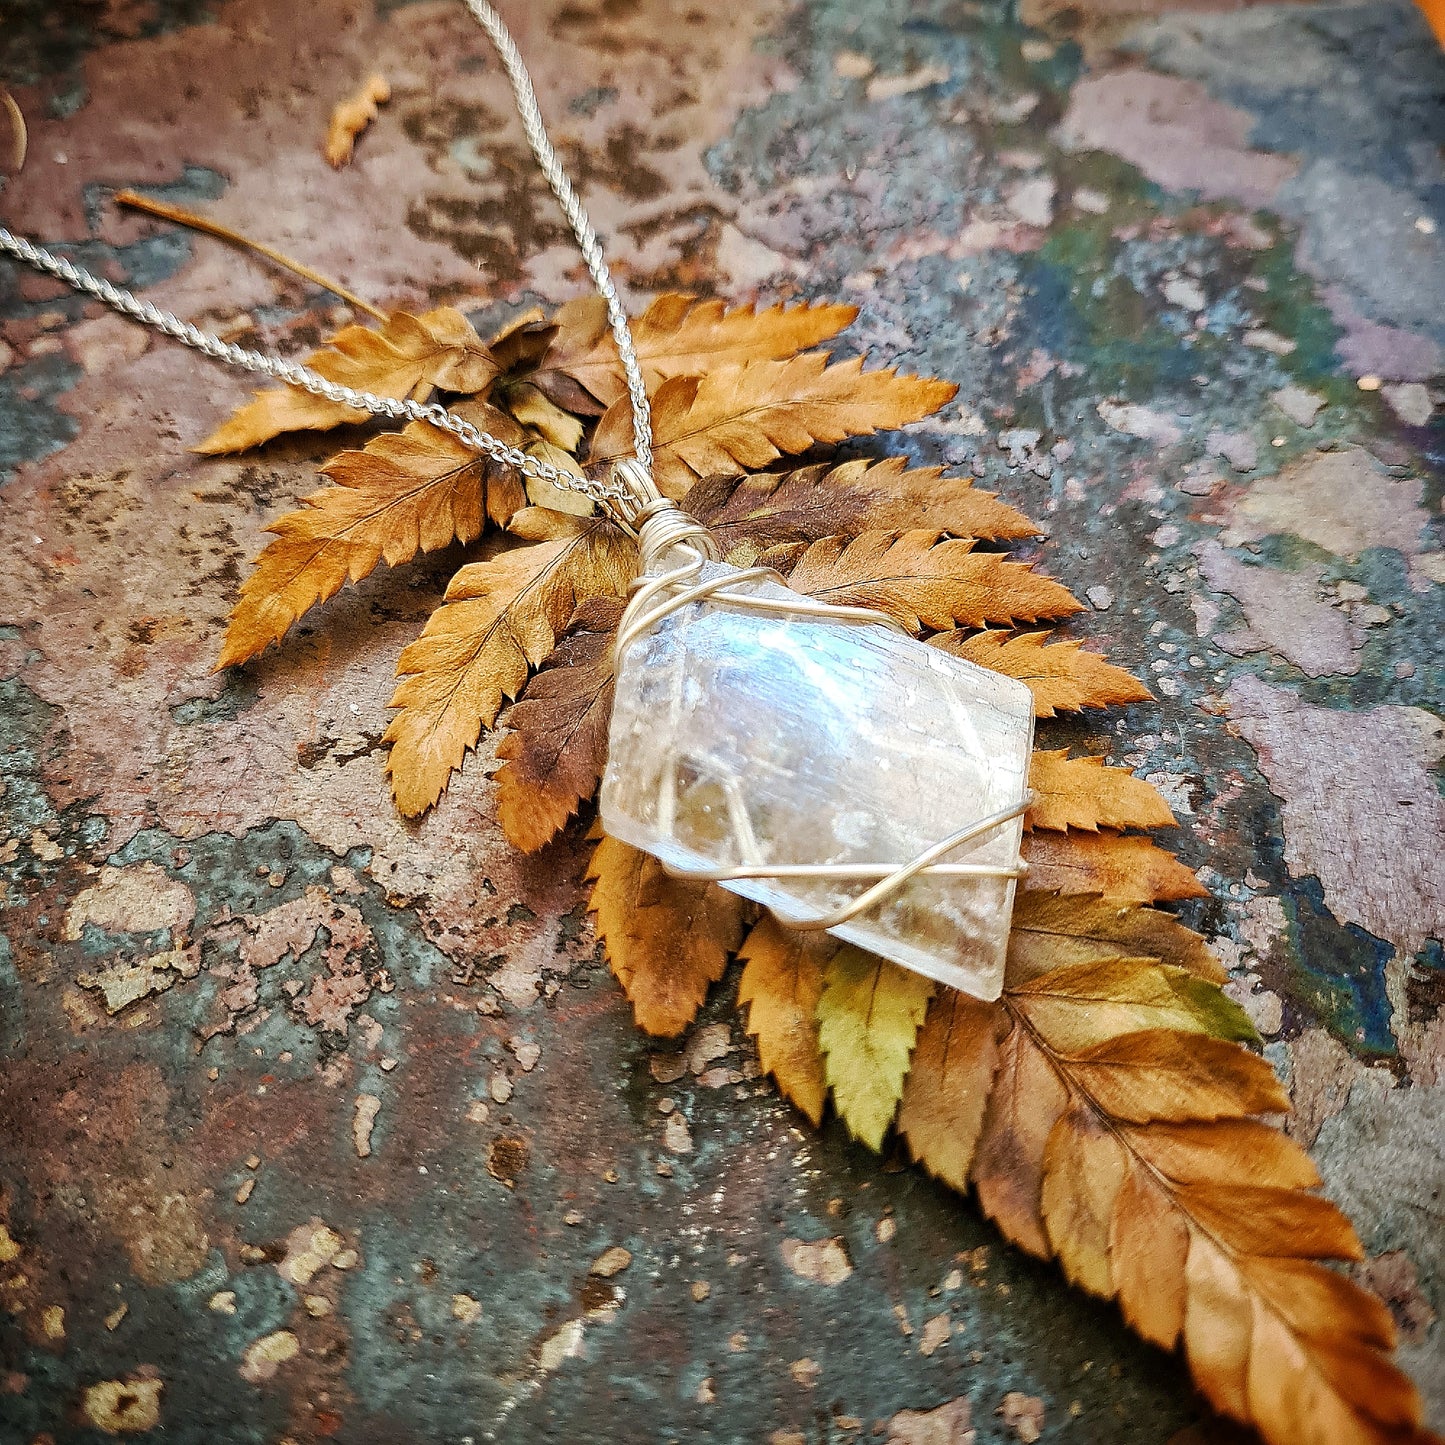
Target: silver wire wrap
[(613, 496), (666, 532)]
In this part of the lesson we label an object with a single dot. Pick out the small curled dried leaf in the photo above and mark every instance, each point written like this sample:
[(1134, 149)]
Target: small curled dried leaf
[(19, 134), (352, 116), (545, 417), (519, 346)]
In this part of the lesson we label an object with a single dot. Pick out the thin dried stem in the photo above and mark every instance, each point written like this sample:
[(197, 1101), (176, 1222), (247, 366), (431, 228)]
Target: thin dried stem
[(183, 217), (19, 136)]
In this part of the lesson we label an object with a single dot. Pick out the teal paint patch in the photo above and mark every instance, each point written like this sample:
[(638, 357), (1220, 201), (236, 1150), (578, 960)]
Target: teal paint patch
[(239, 691), (230, 878), (1340, 973), (1290, 305), (1365, 96), (12, 1007), (1403, 659), (46, 840), (41, 39), (34, 429), (1084, 312)]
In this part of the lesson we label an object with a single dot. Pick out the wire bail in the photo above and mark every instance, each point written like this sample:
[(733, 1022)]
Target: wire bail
[(657, 522)]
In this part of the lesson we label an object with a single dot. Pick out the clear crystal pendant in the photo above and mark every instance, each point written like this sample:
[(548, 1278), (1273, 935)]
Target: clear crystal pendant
[(801, 755)]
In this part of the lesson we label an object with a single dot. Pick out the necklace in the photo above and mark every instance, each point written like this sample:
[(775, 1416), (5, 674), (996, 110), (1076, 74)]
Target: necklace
[(822, 761), (747, 746)]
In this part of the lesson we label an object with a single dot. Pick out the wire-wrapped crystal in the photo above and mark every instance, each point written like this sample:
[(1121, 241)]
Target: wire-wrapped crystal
[(764, 740)]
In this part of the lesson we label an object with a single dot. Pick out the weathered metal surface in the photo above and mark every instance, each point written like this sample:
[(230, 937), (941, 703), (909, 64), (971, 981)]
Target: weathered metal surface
[(341, 1168)]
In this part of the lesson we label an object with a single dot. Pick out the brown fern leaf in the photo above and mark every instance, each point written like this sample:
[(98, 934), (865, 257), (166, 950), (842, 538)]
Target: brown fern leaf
[(681, 336), (949, 1083), (438, 348), (557, 747), (667, 940), (1174, 1072), (1135, 1159), (781, 984), (750, 514), (1127, 869), (920, 580), (740, 418), (500, 618), (1063, 677), (1052, 929), (406, 492), (1083, 793)]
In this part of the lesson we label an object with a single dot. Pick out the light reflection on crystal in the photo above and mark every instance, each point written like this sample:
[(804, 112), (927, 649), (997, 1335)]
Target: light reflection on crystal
[(741, 737)]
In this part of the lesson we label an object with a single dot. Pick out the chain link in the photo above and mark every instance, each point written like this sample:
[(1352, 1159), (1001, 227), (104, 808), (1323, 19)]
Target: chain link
[(615, 496)]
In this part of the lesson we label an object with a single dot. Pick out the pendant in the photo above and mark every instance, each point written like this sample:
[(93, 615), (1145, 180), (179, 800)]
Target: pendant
[(822, 762)]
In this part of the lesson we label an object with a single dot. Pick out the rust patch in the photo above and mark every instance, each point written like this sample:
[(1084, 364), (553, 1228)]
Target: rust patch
[(507, 1157)]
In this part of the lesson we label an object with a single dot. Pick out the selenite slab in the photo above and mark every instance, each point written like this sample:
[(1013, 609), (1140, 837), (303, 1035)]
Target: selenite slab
[(745, 737)]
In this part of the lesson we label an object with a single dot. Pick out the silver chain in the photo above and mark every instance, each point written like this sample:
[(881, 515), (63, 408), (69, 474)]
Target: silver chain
[(294, 374), (562, 188), (302, 376)]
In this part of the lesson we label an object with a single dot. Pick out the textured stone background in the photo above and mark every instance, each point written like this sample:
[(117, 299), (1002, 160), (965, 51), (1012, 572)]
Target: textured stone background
[(344, 1175)]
